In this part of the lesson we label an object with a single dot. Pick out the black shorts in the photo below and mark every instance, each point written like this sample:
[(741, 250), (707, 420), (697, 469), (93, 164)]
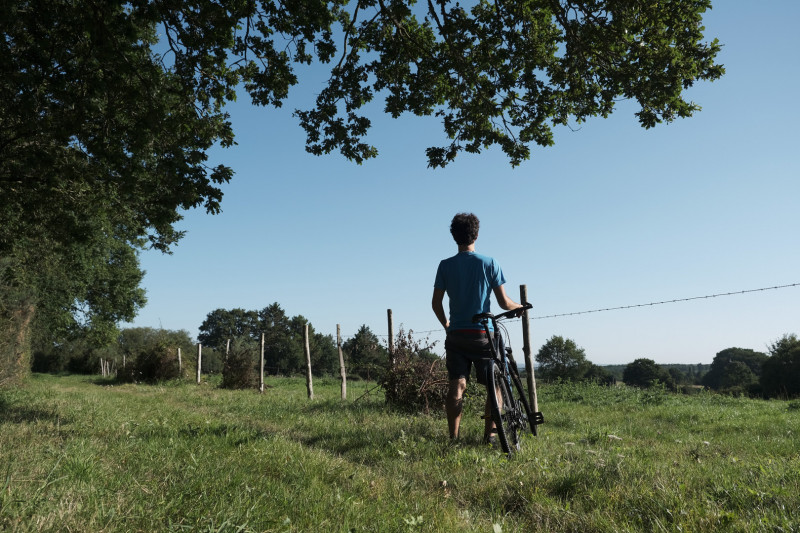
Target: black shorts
[(465, 348)]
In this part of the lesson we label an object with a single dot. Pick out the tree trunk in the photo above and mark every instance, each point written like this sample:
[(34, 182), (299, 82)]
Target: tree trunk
[(15, 343)]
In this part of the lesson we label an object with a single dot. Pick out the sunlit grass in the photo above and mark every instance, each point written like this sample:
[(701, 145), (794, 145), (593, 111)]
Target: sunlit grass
[(78, 454)]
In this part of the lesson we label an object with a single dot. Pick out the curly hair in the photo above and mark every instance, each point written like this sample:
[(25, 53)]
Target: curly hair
[(464, 228)]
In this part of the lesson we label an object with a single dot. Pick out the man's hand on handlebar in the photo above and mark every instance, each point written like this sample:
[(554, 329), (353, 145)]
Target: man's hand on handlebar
[(519, 310), (513, 313)]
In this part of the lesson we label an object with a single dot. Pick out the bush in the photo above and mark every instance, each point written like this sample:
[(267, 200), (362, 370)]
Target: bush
[(239, 370), (156, 362), (416, 382)]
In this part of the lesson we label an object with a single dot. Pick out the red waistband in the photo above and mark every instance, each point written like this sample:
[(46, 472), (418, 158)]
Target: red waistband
[(468, 331)]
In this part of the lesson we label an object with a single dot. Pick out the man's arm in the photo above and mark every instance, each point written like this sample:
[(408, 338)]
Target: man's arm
[(503, 300), (437, 302)]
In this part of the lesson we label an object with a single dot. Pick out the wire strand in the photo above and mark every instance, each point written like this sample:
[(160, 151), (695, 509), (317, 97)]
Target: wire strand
[(666, 302), (633, 306)]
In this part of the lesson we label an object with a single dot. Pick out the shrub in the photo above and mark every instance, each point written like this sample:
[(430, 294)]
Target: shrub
[(158, 361), (417, 381), (239, 370)]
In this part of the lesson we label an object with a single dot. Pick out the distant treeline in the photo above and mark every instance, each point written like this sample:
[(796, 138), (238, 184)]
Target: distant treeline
[(736, 371), (683, 374), (137, 353)]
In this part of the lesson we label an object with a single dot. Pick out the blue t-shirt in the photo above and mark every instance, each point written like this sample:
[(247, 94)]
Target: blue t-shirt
[(468, 279)]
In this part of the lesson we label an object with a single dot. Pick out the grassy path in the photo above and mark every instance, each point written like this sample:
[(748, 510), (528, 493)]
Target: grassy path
[(77, 454)]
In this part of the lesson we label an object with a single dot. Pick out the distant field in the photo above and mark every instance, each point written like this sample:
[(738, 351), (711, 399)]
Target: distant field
[(80, 454)]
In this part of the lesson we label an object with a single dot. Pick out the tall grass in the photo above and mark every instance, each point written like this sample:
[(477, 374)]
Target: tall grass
[(80, 454)]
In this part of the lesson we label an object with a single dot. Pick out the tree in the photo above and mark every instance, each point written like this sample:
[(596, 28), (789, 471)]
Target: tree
[(678, 376), (104, 130), (148, 354), (223, 324), (561, 358), (283, 338), (364, 353), (737, 378), (598, 374), (780, 376), (644, 373), (734, 368)]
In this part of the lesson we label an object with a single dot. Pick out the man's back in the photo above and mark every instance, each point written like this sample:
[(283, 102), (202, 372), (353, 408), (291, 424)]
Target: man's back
[(468, 279)]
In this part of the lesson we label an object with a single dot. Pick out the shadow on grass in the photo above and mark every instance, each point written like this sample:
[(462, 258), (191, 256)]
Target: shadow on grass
[(22, 414), (233, 435), (367, 431)]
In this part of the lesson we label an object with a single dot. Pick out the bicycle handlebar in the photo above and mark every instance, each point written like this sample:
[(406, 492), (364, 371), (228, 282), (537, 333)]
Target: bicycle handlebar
[(508, 314)]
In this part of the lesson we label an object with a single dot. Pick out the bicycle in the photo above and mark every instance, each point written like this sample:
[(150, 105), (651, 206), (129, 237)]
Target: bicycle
[(511, 412)]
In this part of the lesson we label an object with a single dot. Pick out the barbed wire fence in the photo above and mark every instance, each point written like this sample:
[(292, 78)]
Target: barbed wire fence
[(634, 306), (389, 337)]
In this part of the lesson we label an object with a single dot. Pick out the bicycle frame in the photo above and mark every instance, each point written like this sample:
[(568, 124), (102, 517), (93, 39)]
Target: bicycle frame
[(510, 414)]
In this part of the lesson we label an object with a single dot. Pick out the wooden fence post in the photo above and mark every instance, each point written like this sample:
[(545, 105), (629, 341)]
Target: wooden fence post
[(261, 384), (391, 337), (526, 349), (342, 371), (307, 349), (180, 363), (199, 360)]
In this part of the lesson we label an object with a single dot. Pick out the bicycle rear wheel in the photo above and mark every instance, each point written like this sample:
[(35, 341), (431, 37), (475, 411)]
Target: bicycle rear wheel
[(530, 420), (504, 410)]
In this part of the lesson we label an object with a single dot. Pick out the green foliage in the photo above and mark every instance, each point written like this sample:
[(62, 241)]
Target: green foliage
[(645, 373), (562, 359), (364, 355), (414, 383), (283, 338), (16, 313), (149, 355), (598, 374), (780, 377), (106, 129), (735, 370), (79, 355), (132, 341), (242, 365), (505, 74), (221, 325)]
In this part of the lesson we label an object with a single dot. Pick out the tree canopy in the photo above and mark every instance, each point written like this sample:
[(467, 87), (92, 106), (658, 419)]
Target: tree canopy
[(108, 109), (645, 373), (283, 337), (364, 353), (734, 368), (563, 359), (780, 375)]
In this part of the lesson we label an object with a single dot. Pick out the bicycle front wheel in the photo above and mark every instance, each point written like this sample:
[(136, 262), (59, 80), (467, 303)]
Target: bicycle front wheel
[(504, 410)]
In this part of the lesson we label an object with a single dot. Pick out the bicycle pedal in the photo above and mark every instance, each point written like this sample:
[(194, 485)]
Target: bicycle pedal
[(538, 418)]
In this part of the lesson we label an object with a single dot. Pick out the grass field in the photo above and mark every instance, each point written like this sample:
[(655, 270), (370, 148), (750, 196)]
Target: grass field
[(81, 454)]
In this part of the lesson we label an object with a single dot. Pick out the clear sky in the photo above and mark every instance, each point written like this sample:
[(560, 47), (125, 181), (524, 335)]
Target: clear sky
[(612, 215)]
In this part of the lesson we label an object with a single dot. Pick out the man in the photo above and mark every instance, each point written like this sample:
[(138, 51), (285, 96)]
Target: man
[(468, 279)]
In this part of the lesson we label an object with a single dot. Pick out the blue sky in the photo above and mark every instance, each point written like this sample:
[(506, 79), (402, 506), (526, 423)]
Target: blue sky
[(612, 215)]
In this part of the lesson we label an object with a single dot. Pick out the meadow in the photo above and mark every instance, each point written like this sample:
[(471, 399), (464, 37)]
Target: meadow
[(81, 453)]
